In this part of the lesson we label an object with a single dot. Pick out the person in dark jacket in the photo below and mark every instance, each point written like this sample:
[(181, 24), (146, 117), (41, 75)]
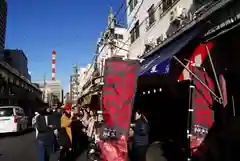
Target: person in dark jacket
[(140, 138), (45, 136), (55, 120)]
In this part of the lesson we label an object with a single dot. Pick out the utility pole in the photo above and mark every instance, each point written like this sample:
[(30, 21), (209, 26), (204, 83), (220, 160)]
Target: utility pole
[(71, 86), (111, 31), (44, 87), (76, 81)]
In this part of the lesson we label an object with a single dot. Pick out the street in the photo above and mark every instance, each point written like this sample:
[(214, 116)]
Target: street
[(22, 147)]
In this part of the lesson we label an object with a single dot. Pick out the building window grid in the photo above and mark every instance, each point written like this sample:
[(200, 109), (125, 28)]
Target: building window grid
[(134, 33), (163, 7), (151, 17), (132, 4)]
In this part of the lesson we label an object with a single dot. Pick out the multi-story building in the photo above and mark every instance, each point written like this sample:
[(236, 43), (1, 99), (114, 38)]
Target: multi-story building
[(87, 79), (17, 60), (115, 47), (81, 77), (56, 89), (151, 22), (3, 21), (53, 87)]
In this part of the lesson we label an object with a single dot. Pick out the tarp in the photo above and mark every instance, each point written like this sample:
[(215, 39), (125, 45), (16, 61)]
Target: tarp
[(120, 82), (164, 54)]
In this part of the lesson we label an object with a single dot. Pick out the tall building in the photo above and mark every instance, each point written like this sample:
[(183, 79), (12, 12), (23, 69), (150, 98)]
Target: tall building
[(3, 22), (56, 88), (17, 60)]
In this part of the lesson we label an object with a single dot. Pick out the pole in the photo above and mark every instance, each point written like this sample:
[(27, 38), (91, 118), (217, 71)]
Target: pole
[(189, 120), (70, 92), (75, 92), (216, 97)]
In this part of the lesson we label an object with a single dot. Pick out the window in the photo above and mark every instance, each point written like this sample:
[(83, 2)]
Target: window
[(135, 32), (119, 36), (132, 4), (6, 112), (167, 4), (151, 15)]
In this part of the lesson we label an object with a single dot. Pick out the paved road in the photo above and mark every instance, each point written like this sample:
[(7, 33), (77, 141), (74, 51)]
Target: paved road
[(22, 147)]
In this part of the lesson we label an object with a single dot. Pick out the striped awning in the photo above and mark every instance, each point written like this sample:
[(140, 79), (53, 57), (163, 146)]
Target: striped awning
[(196, 60)]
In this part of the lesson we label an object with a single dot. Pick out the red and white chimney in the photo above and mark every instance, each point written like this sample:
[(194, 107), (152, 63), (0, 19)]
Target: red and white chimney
[(53, 65)]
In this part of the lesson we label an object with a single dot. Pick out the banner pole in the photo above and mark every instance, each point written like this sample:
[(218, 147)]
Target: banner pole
[(214, 72), (189, 120), (194, 75)]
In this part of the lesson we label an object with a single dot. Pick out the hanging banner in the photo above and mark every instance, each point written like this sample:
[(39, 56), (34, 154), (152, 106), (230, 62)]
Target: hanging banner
[(202, 116), (120, 82)]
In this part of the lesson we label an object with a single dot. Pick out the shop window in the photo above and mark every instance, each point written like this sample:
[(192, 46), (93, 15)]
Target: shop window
[(151, 16), (132, 4), (135, 32)]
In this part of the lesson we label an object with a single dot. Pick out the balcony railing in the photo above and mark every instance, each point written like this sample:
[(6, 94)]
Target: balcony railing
[(194, 17)]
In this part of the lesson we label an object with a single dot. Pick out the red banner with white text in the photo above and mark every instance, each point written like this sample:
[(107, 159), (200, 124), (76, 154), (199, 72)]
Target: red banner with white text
[(202, 116), (120, 82)]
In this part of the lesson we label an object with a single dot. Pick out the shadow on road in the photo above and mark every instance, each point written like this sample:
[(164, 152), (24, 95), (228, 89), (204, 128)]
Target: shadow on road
[(16, 134)]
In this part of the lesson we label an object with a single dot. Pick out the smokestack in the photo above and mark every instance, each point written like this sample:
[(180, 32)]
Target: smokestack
[(53, 65)]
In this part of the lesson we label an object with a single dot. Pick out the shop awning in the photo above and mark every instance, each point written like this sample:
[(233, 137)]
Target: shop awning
[(159, 62)]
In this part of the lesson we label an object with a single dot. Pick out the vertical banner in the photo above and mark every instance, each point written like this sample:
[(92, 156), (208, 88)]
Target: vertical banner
[(202, 116), (120, 82)]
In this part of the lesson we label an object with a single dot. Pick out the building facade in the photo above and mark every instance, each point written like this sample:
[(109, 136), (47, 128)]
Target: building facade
[(17, 60), (87, 79), (151, 22), (118, 49), (52, 90), (56, 89), (3, 22)]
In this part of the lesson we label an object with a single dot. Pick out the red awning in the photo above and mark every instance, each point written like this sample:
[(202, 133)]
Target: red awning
[(196, 60)]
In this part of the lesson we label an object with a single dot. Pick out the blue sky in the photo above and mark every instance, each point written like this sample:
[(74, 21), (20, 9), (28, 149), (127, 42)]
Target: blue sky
[(71, 27)]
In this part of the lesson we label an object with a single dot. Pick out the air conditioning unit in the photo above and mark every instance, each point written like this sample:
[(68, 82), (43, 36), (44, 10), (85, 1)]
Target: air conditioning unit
[(176, 15), (161, 38), (149, 44)]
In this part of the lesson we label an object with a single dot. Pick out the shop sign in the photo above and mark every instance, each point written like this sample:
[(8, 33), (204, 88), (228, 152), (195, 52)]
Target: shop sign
[(202, 117), (224, 23), (120, 82)]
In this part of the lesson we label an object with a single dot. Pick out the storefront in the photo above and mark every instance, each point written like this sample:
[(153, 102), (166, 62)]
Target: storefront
[(182, 83)]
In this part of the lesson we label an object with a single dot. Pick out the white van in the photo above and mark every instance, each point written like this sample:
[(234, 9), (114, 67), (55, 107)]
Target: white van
[(12, 119)]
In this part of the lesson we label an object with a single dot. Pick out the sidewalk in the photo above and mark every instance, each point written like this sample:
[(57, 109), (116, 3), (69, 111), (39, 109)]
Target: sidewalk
[(82, 157)]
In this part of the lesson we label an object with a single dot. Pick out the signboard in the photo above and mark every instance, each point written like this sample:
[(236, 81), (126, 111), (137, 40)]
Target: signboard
[(224, 19), (120, 79), (202, 116)]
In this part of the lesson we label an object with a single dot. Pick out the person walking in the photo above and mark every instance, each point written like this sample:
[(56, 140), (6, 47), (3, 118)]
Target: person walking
[(66, 134), (44, 136), (140, 138), (55, 119), (34, 120)]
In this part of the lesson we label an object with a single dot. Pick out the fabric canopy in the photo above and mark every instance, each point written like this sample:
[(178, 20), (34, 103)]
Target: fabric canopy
[(160, 60)]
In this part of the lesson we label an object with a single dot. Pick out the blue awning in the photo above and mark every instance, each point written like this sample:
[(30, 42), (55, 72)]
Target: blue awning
[(159, 62)]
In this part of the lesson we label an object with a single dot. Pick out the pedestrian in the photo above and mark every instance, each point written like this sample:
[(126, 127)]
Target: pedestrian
[(140, 138), (45, 135), (34, 119), (66, 134), (55, 119)]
